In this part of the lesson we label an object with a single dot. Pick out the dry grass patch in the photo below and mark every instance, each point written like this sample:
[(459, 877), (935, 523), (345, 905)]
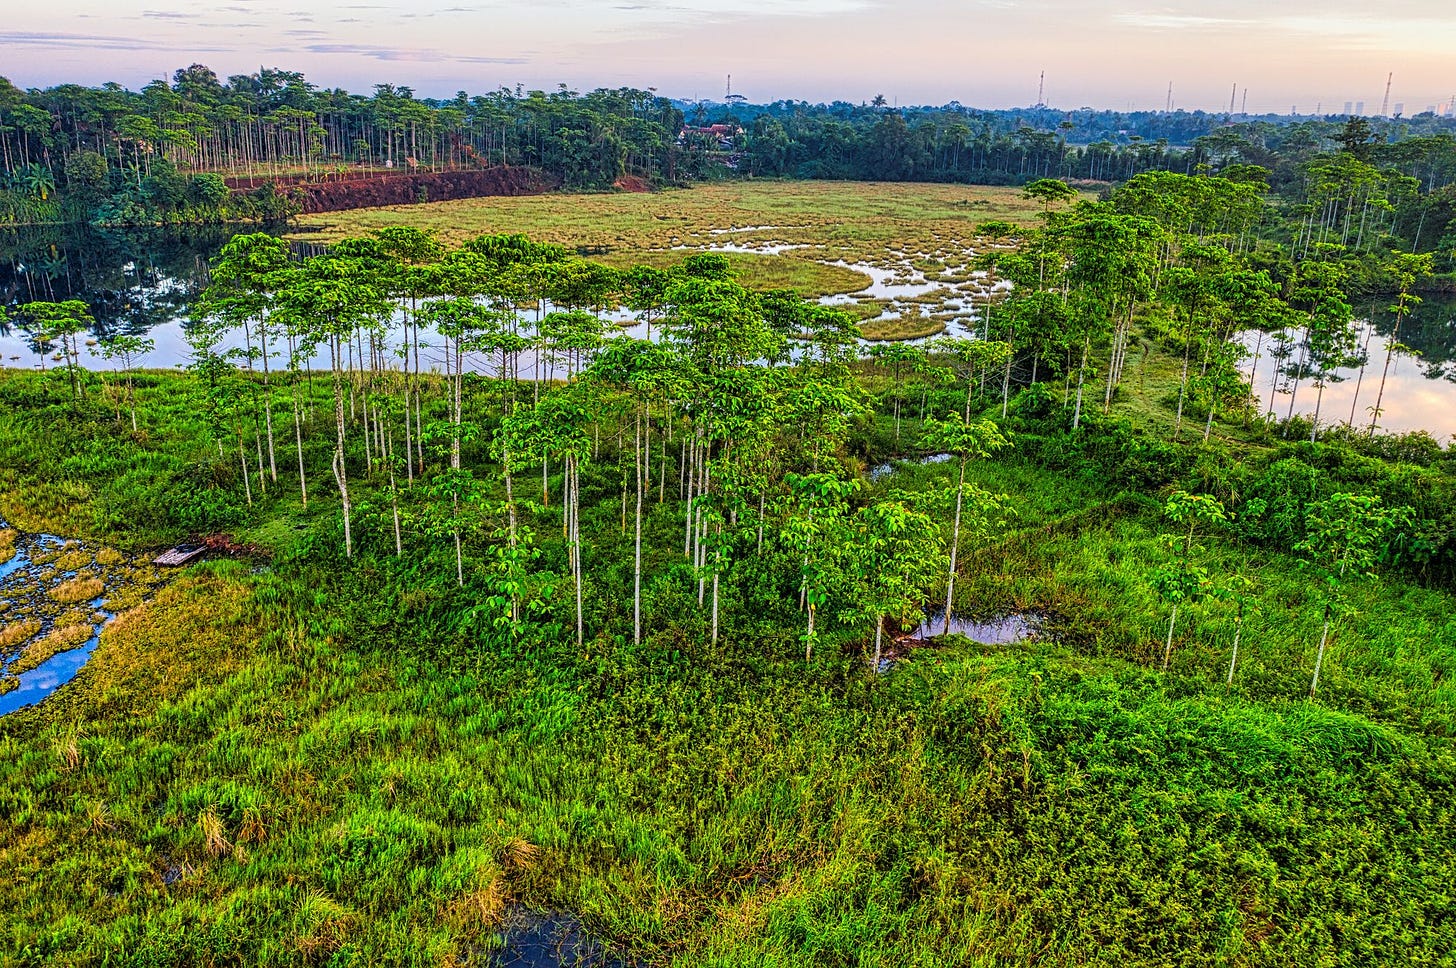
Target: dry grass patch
[(74, 558), (77, 590), (7, 544), (909, 326), (60, 640), (17, 632), (809, 279)]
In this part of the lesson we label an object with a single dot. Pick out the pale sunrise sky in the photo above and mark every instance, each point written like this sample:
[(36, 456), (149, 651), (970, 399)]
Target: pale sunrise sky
[(985, 53)]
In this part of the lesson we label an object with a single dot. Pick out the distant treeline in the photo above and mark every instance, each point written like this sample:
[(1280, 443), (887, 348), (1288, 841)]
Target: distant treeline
[(165, 153)]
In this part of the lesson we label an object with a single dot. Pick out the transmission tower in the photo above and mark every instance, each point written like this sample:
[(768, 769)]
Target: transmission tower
[(1385, 104)]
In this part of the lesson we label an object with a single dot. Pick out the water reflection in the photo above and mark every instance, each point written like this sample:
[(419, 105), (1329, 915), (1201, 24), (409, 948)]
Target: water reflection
[(143, 281), (1419, 389)]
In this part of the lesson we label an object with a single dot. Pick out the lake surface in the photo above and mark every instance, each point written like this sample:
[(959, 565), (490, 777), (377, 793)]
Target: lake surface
[(142, 282)]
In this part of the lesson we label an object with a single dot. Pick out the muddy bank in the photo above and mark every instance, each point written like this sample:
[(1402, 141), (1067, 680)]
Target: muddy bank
[(411, 189)]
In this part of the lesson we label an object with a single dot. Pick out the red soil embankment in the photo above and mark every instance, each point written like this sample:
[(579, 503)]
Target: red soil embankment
[(407, 189), (246, 183)]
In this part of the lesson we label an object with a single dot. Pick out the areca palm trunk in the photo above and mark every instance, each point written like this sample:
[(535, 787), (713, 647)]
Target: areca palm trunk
[(637, 548), (268, 400), (1319, 660), (955, 546), (394, 500), (341, 471), (298, 437), (1168, 649), (1081, 378), (716, 564), (573, 472), (1238, 631), (1384, 375), (1183, 380)]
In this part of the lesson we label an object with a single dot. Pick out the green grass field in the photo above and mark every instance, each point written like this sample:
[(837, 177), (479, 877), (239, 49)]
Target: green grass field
[(292, 760)]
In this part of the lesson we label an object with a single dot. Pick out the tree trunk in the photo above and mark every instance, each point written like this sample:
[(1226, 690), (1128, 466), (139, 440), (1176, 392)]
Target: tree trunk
[(1319, 660), (1238, 631), (341, 471), (955, 546), (268, 401), (637, 551), (243, 460), (1168, 649), (1384, 375), (1081, 375)]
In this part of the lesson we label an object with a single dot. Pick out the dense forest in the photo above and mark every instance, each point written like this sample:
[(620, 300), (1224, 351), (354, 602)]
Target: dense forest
[(614, 626), (203, 149)]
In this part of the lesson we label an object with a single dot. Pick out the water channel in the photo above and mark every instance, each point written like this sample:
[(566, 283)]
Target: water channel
[(56, 595)]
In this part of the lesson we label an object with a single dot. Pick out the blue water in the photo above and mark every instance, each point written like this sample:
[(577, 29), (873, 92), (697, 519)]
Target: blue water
[(20, 588), (53, 673), (534, 940)]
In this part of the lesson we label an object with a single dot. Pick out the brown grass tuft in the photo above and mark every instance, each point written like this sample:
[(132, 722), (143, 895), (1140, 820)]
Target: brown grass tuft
[(521, 854), (68, 749), (478, 911), (214, 833), (17, 632), (77, 590)]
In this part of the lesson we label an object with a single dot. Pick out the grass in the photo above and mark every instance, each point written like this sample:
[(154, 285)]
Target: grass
[(845, 218), (909, 326), (60, 639), (77, 590), (919, 231), (294, 760), (17, 632), (809, 279)]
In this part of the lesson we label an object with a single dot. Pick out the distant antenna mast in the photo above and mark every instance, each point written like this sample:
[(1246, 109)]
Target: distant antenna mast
[(1041, 91), (1169, 108), (1385, 104)]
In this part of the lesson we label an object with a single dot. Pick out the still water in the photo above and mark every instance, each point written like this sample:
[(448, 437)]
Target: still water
[(142, 283)]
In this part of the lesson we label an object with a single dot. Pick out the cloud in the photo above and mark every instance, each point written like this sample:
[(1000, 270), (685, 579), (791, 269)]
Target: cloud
[(407, 54), (1178, 21), (28, 38)]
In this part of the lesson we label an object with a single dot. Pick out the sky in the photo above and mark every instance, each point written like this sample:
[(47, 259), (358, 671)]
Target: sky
[(1298, 54)]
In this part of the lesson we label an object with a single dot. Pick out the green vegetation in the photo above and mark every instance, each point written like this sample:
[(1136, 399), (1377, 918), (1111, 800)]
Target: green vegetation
[(604, 637)]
